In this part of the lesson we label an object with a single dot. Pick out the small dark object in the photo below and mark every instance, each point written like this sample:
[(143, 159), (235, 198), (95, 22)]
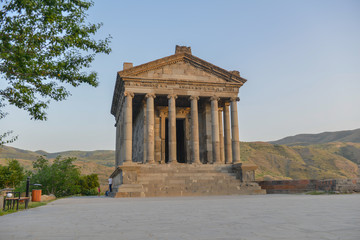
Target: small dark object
[(27, 192)]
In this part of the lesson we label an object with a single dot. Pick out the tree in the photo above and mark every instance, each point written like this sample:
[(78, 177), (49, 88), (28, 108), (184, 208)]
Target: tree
[(60, 178), (12, 174), (44, 46)]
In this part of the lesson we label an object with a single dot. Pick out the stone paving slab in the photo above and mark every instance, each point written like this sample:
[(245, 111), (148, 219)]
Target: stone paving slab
[(215, 217)]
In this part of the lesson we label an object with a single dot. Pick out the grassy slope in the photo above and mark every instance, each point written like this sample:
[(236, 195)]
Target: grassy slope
[(102, 157), (320, 161)]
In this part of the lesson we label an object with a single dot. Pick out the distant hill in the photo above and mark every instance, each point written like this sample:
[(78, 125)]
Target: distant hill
[(325, 137), (103, 157), (317, 161), (100, 162)]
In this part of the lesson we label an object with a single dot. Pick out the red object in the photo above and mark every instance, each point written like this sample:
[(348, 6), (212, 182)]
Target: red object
[(36, 196)]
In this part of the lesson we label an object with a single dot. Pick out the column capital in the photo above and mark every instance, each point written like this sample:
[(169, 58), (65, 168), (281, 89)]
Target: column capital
[(150, 95), (234, 99), (129, 94), (172, 96), (194, 98), (163, 114), (214, 98), (226, 104)]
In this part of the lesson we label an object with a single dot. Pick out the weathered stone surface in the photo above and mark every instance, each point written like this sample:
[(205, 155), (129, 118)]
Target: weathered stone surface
[(46, 198), (168, 112), (245, 171), (153, 180), (300, 186)]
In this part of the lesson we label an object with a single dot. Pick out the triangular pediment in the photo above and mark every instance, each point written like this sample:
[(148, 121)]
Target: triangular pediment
[(185, 67), (181, 71)]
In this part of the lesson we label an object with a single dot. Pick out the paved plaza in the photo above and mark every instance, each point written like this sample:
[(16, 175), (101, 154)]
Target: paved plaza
[(219, 217)]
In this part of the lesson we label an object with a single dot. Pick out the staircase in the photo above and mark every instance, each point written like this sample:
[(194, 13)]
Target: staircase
[(154, 180)]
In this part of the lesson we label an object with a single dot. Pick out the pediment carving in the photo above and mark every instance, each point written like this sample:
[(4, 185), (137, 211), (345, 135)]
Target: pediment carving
[(183, 66), (181, 71)]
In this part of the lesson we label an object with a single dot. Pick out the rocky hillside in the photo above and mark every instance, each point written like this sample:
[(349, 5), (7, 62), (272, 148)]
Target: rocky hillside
[(321, 161), (325, 137), (317, 161)]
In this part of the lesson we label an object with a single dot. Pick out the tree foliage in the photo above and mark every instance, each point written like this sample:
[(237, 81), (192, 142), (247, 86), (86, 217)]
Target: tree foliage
[(44, 46), (62, 178), (11, 175), (59, 178)]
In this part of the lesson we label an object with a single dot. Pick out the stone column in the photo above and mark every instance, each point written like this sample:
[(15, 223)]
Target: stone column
[(150, 128), (162, 136), (172, 128), (128, 127), (195, 153), (117, 144), (227, 135), (215, 129), (235, 130), (221, 136)]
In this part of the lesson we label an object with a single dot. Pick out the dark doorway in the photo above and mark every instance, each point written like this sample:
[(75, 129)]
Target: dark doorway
[(166, 140), (180, 141)]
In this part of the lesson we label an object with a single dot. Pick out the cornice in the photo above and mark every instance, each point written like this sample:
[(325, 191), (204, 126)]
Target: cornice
[(185, 57), (177, 81)]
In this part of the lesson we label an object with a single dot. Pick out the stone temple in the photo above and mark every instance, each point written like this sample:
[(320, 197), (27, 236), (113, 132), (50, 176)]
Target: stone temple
[(177, 130)]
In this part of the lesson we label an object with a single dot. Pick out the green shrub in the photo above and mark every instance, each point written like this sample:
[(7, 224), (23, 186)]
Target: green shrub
[(89, 184)]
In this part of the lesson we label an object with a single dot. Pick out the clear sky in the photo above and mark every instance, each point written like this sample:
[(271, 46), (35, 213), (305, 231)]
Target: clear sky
[(301, 59)]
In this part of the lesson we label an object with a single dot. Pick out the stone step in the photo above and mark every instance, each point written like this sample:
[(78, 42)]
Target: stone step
[(185, 174), (184, 168), (185, 180), (190, 180)]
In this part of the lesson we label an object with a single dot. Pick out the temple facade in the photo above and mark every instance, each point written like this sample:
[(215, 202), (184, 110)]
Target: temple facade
[(177, 110)]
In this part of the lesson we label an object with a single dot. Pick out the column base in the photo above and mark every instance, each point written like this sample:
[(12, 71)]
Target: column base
[(130, 163)]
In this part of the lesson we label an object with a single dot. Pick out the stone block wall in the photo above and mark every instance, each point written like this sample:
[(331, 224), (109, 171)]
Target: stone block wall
[(348, 185), (300, 186), (138, 143), (120, 140)]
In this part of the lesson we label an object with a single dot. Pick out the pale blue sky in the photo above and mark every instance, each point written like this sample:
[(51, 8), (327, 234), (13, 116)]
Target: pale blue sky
[(301, 59)]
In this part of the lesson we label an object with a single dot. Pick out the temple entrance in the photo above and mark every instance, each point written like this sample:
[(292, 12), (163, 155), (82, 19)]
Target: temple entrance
[(180, 141)]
